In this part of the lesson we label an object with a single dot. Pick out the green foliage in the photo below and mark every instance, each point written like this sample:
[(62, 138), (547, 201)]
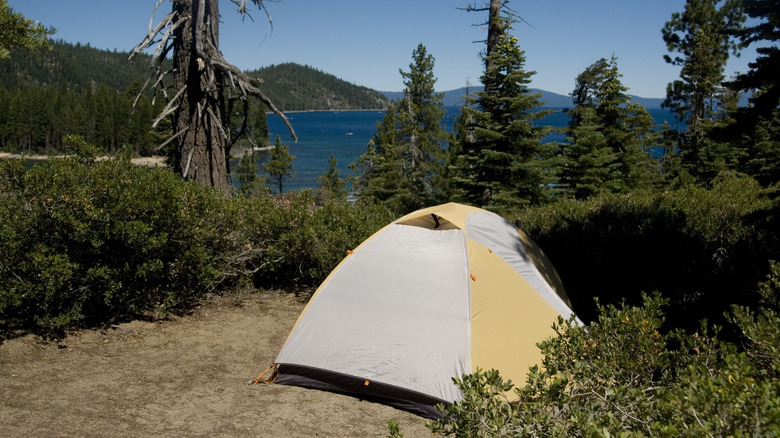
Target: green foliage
[(588, 167), (17, 31), (701, 36), (702, 248), (499, 161), (761, 328), (394, 429), (280, 164), (79, 65), (331, 186), (610, 137), (37, 119), (294, 87), (306, 242), (623, 376), (755, 128), (406, 157), (484, 411), (249, 182), (86, 242)]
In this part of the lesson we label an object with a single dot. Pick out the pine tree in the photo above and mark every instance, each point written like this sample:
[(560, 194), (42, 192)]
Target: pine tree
[(331, 185), (17, 31), (604, 117), (499, 160), (589, 166), (249, 182), (755, 129), (406, 154), (280, 165), (627, 128), (701, 37)]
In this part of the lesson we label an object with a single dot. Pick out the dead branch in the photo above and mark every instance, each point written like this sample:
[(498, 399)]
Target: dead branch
[(169, 108), (172, 138), (247, 88), (161, 35)]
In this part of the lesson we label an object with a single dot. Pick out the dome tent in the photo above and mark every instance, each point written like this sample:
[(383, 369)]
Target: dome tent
[(434, 295)]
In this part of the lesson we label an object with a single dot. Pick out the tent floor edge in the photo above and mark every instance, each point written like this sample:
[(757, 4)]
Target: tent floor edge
[(405, 399)]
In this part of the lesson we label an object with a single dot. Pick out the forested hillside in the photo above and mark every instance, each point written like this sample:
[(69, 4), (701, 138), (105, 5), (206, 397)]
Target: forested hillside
[(291, 87), (294, 87), (80, 90), (80, 65)]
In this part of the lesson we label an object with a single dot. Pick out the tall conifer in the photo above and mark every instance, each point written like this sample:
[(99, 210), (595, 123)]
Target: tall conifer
[(405, 156), (609, 130), (701, 38), (499, 160)]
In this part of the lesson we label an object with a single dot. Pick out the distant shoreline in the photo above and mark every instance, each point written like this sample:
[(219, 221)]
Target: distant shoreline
[(153, 161), (325, 111)]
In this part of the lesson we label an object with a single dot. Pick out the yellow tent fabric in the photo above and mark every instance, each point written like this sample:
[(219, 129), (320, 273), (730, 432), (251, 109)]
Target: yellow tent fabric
[(434, 295)]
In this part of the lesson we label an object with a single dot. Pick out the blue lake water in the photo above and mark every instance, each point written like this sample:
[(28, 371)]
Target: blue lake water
[(346, 134)]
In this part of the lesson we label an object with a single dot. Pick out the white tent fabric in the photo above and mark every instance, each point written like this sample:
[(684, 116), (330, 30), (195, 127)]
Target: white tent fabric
[(432, 296), (392, 313)]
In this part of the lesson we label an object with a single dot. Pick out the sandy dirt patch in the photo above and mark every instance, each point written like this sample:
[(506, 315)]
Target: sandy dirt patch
[(186, 376), (154, 161)]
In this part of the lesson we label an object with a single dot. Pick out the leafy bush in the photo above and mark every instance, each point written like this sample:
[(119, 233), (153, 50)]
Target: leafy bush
[(85, 241), (308, 240), (623, 377), (704, 249)]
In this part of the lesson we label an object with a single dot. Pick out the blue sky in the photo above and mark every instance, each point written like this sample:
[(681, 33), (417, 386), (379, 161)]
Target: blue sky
[(366, 42)]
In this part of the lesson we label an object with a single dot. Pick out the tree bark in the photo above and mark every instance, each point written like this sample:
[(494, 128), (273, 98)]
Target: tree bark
[(201, 147), (494, 30)]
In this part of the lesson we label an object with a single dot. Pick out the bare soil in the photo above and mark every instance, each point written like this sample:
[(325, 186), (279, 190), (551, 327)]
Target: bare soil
[(155, 161), (184, 376)]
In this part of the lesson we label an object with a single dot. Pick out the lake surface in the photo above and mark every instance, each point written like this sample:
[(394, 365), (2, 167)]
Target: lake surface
[(346, 134)]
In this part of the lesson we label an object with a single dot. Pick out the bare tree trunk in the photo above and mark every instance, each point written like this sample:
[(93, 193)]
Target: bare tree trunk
[(494, 30), (201, 148)]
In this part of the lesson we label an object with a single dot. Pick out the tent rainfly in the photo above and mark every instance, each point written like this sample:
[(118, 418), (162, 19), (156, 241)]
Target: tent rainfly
[(432, 296)]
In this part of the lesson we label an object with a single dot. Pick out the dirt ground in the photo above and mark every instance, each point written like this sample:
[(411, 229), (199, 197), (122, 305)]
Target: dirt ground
[(141, 161), (185, 376)]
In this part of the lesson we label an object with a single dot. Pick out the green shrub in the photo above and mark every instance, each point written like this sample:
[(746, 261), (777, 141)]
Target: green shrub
[(623, 377), (86, 242), (309, 240), (704, 249)]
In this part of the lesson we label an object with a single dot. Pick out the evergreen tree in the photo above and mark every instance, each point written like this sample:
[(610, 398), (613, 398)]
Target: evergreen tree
[(249, 182), (700, 36), (407, 152), (18, 31), (331, 185), (627, 128), (755, 129), (589, 166), (280, 165), (604, 117), (499, 161)]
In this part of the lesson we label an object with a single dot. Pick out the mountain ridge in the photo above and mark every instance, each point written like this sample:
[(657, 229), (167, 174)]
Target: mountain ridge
[(291, 86), (551, 100)]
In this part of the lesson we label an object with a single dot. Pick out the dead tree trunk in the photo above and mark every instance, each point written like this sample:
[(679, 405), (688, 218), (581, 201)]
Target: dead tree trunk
[(201, 153), (202, 80), (494, 31)]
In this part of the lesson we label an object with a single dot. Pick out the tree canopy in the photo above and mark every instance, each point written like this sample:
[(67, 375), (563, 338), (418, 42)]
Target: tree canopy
[(498, 155), (609, 137), (17, 31), (406, 155)]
